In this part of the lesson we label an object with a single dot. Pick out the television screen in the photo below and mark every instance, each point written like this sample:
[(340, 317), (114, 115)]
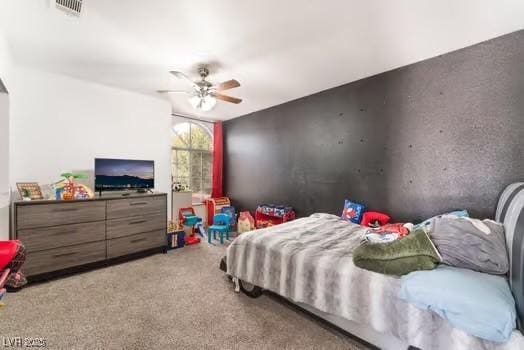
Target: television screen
[(124, 174)]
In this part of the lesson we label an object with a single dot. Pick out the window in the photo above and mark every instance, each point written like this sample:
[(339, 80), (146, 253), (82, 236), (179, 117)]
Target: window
[(192, 159)]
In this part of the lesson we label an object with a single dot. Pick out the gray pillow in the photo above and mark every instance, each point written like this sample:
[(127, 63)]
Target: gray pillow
[(472, 244)]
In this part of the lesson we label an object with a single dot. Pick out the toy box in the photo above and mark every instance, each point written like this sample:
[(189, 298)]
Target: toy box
[(268, 215), (175, 240)]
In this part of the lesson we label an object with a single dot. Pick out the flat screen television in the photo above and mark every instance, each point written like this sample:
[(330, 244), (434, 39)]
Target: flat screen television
[(124, 174)]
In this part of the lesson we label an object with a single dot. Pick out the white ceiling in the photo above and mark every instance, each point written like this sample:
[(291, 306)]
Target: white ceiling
[(279, 50)]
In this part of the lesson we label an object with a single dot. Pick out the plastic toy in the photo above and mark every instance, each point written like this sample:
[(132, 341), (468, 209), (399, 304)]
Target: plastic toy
[(214, 206), (220, 225), (177, 186), (245, 222), (353, 212), (68, 189), (231, 212), (188, 218)]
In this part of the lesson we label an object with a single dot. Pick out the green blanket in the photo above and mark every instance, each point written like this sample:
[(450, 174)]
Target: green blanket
[(411, 253)]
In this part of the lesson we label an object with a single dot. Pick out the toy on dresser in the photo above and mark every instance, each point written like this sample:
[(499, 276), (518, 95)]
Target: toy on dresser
[(69, 189)]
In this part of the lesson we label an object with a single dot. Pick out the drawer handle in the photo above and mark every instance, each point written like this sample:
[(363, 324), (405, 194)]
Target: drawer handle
[(138, 203), (63, 255), (137, 240), (65, 210), (137, 222)]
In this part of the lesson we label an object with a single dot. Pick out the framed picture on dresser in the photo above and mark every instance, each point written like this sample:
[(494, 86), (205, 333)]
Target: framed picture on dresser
[(29, 190)]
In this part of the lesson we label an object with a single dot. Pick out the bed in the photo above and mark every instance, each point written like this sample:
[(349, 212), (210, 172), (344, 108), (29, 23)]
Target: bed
[(309, 262)]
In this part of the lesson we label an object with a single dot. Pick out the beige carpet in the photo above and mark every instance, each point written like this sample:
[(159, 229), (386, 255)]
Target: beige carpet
[(178, 300)]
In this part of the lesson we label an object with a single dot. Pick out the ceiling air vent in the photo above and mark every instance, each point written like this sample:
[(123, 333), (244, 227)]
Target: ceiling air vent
[(70, 6)]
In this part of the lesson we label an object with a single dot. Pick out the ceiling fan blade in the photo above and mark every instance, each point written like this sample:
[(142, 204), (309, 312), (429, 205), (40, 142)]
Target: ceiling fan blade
[(171, 92), (227, 98), (182, 76), (226, 85)]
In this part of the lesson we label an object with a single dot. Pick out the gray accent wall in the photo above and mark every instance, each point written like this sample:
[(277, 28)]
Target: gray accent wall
[(441, 134)]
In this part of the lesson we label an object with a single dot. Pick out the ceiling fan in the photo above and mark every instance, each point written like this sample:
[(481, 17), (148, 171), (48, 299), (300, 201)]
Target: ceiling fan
[(204, 95)]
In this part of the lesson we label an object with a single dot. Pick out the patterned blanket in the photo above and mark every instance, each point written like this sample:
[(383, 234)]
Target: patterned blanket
[(309, 261)]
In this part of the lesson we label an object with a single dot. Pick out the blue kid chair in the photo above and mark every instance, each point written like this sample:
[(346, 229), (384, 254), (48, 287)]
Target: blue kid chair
[(220, 226), (231, 212)]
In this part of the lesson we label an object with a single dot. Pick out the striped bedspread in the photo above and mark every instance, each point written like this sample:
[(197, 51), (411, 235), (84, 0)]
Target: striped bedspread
[(309, 261)]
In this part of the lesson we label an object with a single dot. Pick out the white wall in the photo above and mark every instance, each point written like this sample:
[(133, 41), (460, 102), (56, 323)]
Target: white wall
[(4, 141), (61, 124), (5, 58), (4, 166)]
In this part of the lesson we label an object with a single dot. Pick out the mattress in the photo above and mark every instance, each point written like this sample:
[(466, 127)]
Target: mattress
[(309, 261)]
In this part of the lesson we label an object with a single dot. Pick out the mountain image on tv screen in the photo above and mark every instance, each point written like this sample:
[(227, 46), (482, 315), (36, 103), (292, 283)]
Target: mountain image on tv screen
[(123, 174)]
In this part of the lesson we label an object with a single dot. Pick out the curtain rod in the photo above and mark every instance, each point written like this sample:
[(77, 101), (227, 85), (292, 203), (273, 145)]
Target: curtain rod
[(193, 118)]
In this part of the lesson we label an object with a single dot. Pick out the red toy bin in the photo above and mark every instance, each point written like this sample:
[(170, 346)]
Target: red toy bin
[(268, 215)]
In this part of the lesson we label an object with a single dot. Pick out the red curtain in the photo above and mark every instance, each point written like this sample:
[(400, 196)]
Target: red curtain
[(218, 161)]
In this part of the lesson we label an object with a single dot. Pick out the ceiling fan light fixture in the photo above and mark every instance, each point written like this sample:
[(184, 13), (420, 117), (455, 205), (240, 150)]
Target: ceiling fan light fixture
[(204, 94), (205, 103)]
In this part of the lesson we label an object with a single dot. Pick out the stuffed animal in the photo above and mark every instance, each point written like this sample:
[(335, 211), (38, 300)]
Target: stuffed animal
[(245, 222), (374, 219)]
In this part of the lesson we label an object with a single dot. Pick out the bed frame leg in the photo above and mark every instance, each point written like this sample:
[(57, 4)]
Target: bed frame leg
[(237, 285)]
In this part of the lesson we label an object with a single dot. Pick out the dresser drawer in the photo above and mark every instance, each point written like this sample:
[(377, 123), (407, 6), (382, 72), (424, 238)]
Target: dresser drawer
[(136, 224), (61, 258), (36, 239), (121, 208), (44, 215), (135, 243)]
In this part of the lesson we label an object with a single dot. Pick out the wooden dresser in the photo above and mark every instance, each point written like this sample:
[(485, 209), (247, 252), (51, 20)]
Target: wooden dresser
[(64, 234)]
